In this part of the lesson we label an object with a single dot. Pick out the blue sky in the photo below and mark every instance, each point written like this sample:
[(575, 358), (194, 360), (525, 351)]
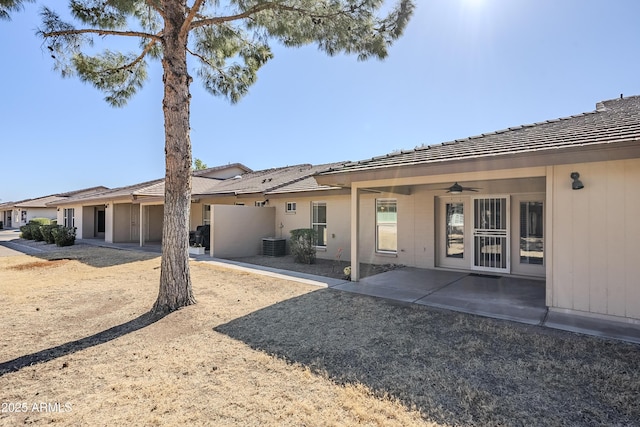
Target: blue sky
[(464, 67)]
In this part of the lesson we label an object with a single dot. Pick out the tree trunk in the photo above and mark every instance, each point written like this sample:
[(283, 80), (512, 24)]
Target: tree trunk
[(175, 278)]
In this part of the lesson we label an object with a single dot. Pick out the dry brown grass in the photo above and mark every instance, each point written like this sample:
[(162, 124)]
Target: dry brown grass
[(40, 264), (262, 351)]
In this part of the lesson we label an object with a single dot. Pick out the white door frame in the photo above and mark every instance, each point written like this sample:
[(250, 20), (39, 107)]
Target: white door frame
[(495, 236)]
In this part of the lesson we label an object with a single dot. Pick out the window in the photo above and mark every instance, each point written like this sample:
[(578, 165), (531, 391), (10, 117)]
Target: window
[(239, 204), (386, 225), (319, 222), (455, 230), (290, 207), (69, 218), (206, 215), (531, 236), (260, 204)]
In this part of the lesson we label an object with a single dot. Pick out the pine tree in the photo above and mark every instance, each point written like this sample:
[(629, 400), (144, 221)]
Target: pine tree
[(7, 6), (229, 40)]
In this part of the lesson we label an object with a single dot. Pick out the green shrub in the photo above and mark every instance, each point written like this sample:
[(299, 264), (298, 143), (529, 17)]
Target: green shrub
[(64, 236), (302, 245), (42, 221), (47, 234), (32, 231), (25, 232), (36, 234)]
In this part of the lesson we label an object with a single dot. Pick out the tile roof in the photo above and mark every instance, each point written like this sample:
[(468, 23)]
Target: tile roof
[(110, 194), (198, 185), (40, 202), (49, 201), (613, 121), (222, 167), (271, 181), (305, 184)]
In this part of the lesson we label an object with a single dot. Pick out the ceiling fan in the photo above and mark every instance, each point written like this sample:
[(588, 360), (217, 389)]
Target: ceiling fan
[(457, 189)]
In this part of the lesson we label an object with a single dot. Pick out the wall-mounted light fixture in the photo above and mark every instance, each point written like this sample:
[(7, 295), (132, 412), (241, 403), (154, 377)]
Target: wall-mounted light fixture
[(576, 184), (106, 206)]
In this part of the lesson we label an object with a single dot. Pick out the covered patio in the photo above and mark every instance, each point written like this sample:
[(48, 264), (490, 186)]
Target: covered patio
[(509, 298)]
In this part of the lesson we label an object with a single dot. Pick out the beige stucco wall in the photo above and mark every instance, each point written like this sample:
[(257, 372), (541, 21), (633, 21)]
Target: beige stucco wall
[(195, 215), (122, 221), (50, 213), (338, 220), (238, 230), (595, 233), (153, 220), (88, 219)]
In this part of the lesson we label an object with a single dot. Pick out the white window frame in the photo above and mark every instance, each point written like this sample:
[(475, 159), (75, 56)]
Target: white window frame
[(385, 251), (316, 223), (290, 207), (66, 217), (205, 220), (259, 204)]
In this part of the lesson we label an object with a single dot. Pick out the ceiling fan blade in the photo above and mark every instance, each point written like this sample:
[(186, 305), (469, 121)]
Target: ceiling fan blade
[(457, 189)]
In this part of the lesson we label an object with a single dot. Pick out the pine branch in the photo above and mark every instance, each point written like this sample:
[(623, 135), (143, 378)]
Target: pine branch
[(153, 4), (100, 32), (248, 14), (186, 26), (137, 60)]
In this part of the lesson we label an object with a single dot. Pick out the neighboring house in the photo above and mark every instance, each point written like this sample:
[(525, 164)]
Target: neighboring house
[(243, 209), (16, 214), (6, 214), (129, 214), (522, 209), (271, 203)]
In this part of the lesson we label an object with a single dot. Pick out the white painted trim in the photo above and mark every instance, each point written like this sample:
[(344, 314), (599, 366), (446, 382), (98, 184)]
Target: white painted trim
[(548, 237), (454, 177), (355, 227)]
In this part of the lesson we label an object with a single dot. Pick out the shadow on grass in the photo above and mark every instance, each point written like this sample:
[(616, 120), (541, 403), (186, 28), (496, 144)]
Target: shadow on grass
[(53, 353), (455, 368)]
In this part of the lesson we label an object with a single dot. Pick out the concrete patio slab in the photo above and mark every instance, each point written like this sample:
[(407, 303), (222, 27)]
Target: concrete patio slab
[(521, 300), (406, 284)]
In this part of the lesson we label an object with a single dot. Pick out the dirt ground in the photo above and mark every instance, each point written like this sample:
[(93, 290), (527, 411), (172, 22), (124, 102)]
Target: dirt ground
[(78, 348)]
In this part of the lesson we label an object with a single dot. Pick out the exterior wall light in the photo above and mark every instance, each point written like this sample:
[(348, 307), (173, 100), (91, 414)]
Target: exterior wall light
[(576, 184)]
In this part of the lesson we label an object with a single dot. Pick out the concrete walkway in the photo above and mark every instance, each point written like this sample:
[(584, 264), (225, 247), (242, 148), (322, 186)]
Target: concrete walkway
[(514, 299)]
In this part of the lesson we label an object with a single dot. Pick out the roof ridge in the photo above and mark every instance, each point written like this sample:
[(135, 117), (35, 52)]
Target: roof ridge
[(311, 172)]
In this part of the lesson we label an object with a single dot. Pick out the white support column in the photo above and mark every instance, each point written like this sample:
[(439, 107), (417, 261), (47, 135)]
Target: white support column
[(548, 235), (141, 225), (355, 227)]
